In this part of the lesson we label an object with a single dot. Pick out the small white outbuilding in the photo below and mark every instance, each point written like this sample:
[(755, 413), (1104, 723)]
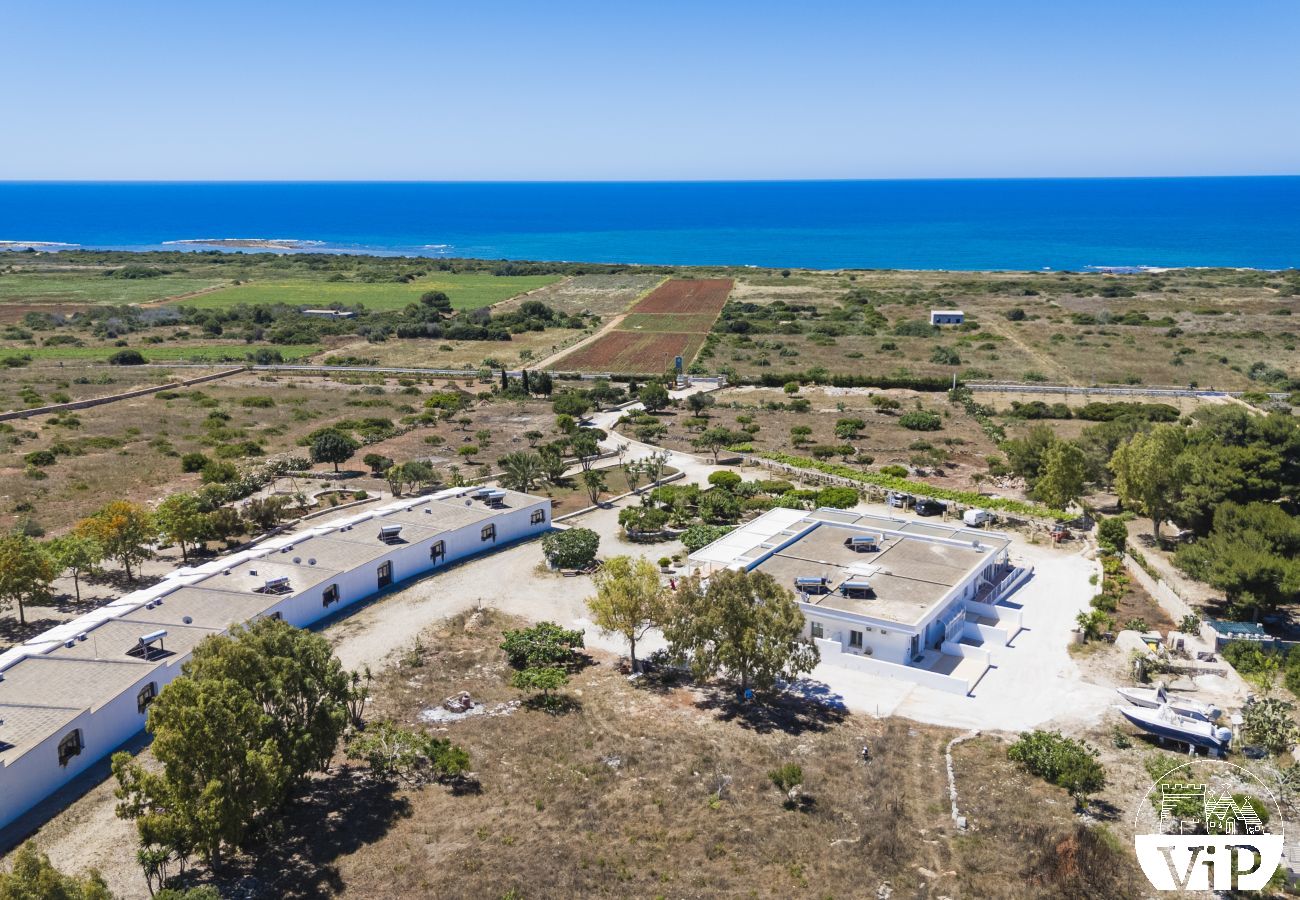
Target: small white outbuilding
[(947, 317)]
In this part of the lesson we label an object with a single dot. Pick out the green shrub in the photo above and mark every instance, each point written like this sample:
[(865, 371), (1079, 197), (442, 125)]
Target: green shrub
[(40, 458), (921, 420), (1060, 760), (725, 480), (699, 536), (257, 402), (1112, 534), (194, 462), (127, 358)]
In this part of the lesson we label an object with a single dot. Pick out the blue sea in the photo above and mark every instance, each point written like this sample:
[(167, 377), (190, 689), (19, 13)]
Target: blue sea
[(945, 224)]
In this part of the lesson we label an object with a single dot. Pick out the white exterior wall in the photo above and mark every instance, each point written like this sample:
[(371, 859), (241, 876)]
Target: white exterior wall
[(888, 643), (36, 774), (831, 653)]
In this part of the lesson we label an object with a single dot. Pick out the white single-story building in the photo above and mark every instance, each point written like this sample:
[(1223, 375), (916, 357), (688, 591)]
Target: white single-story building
[(947, 317), (329, 313), (74, 694), (902, 598)]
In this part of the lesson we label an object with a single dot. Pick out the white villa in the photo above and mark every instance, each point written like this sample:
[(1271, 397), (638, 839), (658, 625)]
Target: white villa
[(74, 694), (947, 317), (901, 598)]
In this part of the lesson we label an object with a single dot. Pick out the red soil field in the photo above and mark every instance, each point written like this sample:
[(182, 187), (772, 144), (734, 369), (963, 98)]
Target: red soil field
[(702, 295), (630, 352), (688, 306)]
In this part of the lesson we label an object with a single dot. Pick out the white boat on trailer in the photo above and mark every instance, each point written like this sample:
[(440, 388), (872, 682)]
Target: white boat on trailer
[(1158, 696), (1166, 724)]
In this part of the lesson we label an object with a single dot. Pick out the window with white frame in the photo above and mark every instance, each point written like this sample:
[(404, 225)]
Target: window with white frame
[(855, 640), (816, 630), (489, 532), (146, 696), (538, 517), (438, 552)]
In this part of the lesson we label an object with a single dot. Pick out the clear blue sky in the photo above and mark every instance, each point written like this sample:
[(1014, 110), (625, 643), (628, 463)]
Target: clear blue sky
[(498, 89)]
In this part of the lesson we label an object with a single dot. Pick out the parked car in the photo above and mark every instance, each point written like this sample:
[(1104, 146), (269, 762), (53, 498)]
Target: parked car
[(928, 507), (977, 518), (899, 500)]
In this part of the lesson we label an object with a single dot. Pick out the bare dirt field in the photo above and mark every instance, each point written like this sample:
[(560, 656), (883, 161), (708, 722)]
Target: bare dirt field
[(651, 788)]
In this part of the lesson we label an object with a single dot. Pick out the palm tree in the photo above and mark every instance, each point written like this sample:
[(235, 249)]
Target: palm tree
[(521, 470)]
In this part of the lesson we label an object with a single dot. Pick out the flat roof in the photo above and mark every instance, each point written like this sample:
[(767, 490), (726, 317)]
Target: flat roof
[(916, 566), (69, 681), (47, 683), (114, 638), (22, 727)]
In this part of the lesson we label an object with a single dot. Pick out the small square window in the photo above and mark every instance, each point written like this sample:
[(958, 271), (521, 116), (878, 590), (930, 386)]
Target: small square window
[(855, 640), (817, 630), (146, 696), (330, 595), (489, 532), (539, 516)]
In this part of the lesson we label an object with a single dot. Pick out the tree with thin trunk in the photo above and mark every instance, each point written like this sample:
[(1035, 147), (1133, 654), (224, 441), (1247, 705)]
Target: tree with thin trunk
[(655, 464), (585, 446), (77, 556), (333, 447), (594, 481), (181, 519), (630, 599), (715, 440), (742, 624), (633, 472), (125, 530), (26, 570)]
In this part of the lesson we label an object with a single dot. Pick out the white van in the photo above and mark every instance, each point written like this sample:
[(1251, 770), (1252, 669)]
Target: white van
[(977, 518)]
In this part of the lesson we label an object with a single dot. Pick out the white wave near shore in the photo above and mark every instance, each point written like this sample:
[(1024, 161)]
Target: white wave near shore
[(6, 245), (277, 243)]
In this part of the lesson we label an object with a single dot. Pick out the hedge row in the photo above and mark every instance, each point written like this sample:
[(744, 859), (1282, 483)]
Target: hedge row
[(820, 376), (894, 483)]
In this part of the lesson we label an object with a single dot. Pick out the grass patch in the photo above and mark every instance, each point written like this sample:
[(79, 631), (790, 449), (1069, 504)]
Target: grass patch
[(467, 291), (55, 287), (682, 323)]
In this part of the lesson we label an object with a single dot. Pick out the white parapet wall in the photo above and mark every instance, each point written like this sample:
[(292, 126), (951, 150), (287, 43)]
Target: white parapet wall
[(833, 654)]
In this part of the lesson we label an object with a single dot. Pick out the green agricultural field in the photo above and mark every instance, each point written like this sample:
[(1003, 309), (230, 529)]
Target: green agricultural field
[(169, 353), (467, 291), (56, 287), (675, 323)]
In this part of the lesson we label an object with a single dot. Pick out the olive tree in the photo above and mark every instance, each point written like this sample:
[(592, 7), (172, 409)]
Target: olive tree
[(742, 624)]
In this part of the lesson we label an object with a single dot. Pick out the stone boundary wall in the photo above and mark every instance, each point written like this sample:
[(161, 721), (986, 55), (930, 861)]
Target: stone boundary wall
[(114, 398)]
